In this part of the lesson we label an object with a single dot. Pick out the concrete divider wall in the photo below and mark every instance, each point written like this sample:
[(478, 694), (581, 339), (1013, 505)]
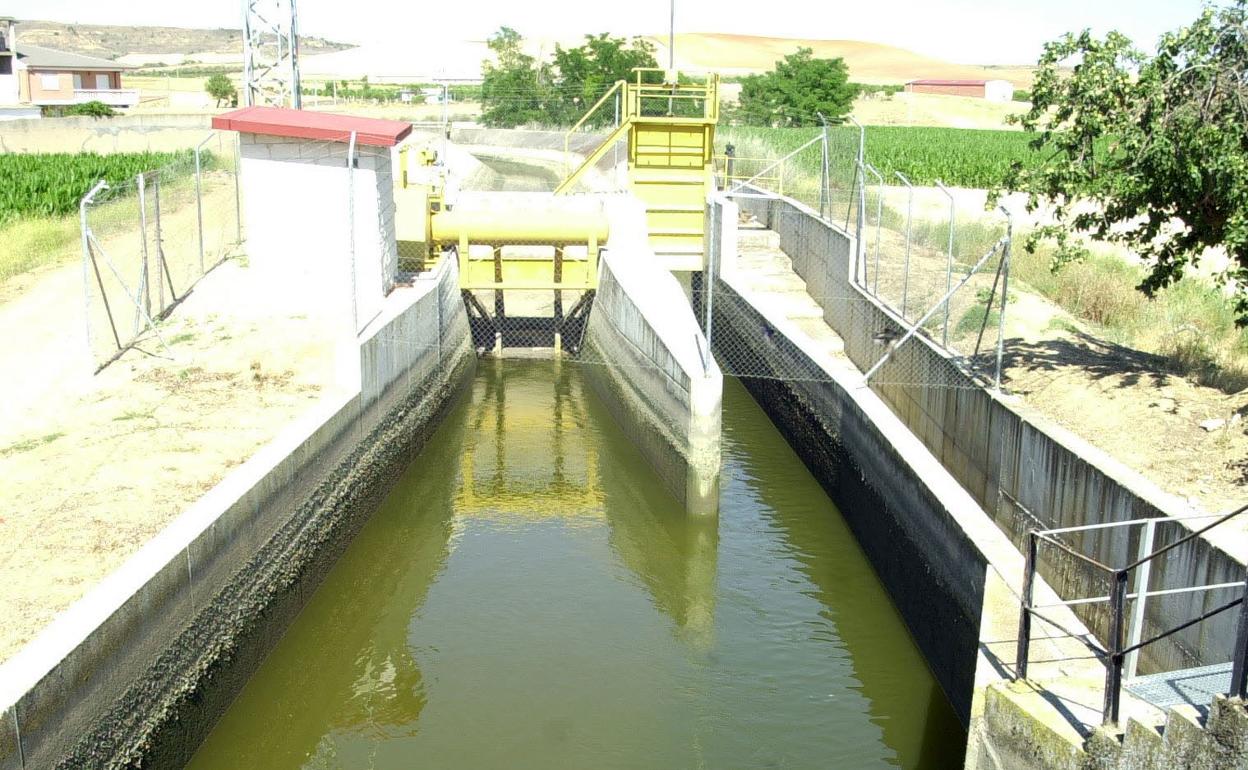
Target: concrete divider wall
[(124, 133), (647, 357), (1024, 471), (138, 671)]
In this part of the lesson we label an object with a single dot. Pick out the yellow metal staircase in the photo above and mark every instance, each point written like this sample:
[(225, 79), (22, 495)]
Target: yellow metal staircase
[(670, 129)]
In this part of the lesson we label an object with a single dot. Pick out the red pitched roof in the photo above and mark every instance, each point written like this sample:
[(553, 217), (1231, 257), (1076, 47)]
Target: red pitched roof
[(298, 124), (938, 82)]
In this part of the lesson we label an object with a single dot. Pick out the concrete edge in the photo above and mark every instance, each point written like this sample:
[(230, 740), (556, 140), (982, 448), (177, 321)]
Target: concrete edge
[(57, 677)]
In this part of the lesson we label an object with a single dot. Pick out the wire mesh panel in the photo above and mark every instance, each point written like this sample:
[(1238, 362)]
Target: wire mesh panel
[(148, 240)]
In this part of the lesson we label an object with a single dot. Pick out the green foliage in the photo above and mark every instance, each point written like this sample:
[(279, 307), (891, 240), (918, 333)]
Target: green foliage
[(797, 89), (46, 184), (978, 316), (587, 72), (514, 85), (220, 87), (517, 89), (960, 157), (92, 109), (863, 89), (1149, 152), (1022, 95)]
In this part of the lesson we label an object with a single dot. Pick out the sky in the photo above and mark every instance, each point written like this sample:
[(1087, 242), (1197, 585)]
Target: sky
[(964, 31)]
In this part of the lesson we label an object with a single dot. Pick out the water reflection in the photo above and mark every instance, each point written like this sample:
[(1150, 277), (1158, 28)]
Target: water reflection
[(530, 596)]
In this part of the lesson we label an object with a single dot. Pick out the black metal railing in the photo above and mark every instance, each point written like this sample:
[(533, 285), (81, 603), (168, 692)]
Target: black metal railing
[(1117, 651)]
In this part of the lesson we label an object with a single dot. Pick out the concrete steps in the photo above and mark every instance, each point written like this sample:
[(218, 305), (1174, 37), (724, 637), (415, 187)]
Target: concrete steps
[(768, 274)]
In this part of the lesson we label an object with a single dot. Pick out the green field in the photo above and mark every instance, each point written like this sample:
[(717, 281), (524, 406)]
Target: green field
[(49, 184), (959, 157)]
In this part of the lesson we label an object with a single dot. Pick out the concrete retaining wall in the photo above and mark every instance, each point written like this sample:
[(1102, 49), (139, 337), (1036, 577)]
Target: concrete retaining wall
[(1023, 470), (649, 361), (124, 133), (138, 671)]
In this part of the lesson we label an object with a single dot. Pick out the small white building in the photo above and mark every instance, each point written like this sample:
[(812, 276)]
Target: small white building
[(320, 229)]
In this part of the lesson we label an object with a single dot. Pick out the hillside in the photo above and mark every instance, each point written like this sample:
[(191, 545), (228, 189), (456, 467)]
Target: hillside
[(138, 45), (868, 62)]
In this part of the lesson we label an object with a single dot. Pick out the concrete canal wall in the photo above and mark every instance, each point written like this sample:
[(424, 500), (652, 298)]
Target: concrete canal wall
[(1023, 470), (649, 361), (139, 670)]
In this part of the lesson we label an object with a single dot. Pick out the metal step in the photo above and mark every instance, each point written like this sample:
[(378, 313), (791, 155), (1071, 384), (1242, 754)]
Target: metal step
[(1191, 686)]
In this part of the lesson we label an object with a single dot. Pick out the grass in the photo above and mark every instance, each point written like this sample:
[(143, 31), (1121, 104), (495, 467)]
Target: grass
[(29, 444), (959, 157), (1191, 323), (33, 241)]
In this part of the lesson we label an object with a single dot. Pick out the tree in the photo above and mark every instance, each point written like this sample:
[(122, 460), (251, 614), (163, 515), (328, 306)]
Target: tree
[(1149, 152), (588, 71), (220, 88), (513, 86), (797, 91)]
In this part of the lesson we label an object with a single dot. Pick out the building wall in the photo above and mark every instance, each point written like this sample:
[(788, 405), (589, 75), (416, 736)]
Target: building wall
[(290, 183), (999, 91), (947, 90), (39, 93)]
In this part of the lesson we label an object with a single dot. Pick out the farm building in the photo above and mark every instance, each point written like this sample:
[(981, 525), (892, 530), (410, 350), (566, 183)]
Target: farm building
[(35, 76), (992, 90)]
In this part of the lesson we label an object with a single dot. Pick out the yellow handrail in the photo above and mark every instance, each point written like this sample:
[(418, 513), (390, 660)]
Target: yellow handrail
[(567, 138)]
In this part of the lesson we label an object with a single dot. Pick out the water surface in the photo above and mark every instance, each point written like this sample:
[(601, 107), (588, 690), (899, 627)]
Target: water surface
[(529, 597)]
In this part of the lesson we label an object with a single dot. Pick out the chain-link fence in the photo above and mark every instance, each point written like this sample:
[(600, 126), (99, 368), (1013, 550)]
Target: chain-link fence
[(931, 255), (147, 241)]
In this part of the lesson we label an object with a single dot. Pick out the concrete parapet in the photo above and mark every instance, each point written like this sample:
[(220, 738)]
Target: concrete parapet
[(137, 672), (648, 358), (1023, 469)]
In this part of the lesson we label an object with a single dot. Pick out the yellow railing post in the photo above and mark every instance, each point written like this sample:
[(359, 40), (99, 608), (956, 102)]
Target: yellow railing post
[(567, 138)]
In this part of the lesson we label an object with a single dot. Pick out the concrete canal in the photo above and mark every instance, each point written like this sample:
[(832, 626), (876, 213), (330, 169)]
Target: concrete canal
[(530, 596)]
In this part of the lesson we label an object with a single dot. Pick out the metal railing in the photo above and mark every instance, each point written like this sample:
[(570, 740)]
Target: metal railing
[(1121, 654)]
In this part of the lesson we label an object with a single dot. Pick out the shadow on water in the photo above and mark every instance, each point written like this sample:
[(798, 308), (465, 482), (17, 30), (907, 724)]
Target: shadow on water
[(530, 596)]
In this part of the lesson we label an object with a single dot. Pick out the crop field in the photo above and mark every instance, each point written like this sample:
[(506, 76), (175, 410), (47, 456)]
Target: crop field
[(51, 184), (959, 157)]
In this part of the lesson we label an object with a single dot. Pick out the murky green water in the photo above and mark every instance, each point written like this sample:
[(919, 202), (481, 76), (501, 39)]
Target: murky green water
[(528, 597)]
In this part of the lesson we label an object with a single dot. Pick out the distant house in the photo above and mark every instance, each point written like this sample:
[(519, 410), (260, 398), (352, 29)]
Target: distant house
[(33, 76), (992, 90)]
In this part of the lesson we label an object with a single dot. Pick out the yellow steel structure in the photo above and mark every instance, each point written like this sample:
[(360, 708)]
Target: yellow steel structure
[(573, 232), (670, 128)]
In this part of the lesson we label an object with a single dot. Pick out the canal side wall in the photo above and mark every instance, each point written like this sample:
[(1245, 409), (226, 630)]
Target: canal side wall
[(648, 360), (138, 671), (1023, 470)]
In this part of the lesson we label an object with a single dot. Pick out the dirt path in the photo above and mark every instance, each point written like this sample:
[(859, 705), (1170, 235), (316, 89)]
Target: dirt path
[(95, 466)]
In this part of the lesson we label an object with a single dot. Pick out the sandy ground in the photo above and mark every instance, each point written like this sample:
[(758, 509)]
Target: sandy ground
[(94, 466), (1124, 401)]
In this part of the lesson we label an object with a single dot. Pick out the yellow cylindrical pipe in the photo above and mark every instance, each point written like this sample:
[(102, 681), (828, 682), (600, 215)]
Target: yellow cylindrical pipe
[(519, 225)]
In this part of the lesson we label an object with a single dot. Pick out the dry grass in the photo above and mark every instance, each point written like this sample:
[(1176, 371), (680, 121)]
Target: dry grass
[(1191, 324)]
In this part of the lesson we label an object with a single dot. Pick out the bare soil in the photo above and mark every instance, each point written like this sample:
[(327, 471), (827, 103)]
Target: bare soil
[(94, 466), (1128, 403)]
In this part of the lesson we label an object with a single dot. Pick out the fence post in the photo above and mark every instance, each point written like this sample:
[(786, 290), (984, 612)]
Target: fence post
[(879, 223), (144, 292), (355, 310), (824, 172), (905, 279), (1113, 669), (161, 268), (1239, 663), (1141, 590), (238, 173), (712, 267), (86, 267), (199, 200), (1023, 649), (949, 261), (1005, 291)]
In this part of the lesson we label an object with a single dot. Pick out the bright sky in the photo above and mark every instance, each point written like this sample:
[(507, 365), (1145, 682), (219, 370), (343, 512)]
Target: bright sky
[(965, 31)]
